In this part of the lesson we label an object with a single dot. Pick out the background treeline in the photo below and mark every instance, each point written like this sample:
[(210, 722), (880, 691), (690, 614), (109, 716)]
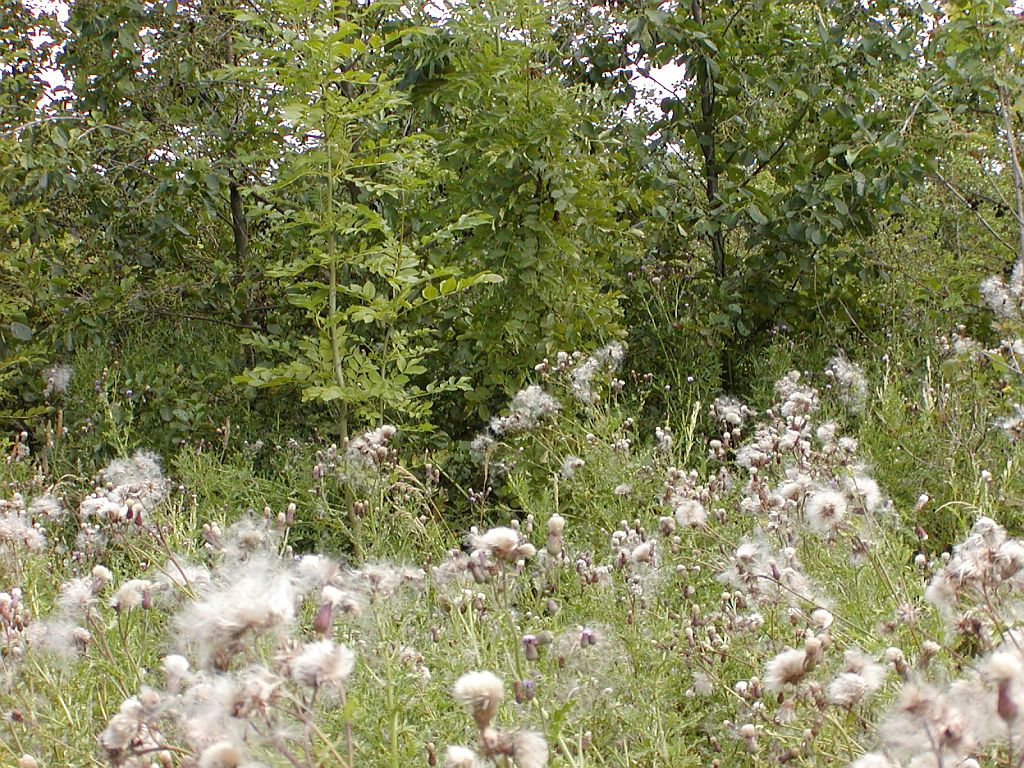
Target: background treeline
[(244, 221)]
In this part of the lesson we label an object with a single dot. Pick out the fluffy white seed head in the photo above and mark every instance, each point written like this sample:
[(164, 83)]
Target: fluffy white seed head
[(460, 757), (1003, 666), (529, 750), (825, 510), (501, 542), (223, 754), (481, 692), (785, 669), (323, 663), (690, 513)]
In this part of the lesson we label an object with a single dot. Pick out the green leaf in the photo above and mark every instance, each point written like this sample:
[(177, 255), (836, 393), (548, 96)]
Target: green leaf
[(472, 220), (294, 113), (21, 331), (756, 215)]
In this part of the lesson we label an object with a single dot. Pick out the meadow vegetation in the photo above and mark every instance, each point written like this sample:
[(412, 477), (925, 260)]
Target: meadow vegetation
[(390, 386)]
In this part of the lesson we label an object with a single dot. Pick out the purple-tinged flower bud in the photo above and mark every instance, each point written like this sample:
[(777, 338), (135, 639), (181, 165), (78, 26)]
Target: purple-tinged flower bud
[(1006, 707), (525, 690), (324, 619), (530, 647)]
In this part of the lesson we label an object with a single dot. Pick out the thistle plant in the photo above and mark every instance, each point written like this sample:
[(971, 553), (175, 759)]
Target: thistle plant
[(761, 597)]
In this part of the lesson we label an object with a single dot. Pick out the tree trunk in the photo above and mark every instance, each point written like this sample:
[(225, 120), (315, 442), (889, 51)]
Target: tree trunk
[(239, 228), (706, 138)]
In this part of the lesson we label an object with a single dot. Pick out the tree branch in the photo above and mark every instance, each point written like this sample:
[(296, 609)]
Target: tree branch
[(962, 199)]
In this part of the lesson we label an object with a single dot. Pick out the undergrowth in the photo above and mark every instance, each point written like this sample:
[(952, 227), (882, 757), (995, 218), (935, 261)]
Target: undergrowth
[(828, 576)]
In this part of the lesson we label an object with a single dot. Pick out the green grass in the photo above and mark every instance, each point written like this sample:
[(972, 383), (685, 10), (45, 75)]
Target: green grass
[(679, 670)]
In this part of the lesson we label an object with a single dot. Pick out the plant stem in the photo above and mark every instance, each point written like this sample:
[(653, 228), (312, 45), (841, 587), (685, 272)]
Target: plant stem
[(332, 267), (332, 319), (1018, 173)]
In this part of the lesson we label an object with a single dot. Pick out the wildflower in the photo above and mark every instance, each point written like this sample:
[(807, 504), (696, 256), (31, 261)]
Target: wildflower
[(690, 513), (102, 509), (323, 662), (941, 592), (180, 575), (702, 684), (872, 760), (850, 688), (255, 599), (125, 731), (826, 433), (824, 510), (481, 692), (796, 400), (850, 380), (101, 576), (176, 669), (132, 594), (822, 618), (501, 542), (623, 490), (49, 507), (1003, 304), (17, 530), (56, 379), (460, 757), (535, 402), (607, 358), (223, 754), (987, 560), (569, 466), (1013, 425), (729, 411), (864, 491), (314, 571), (643, 552), (372, 449), (756, 453), (785, 669), (663, 439), (253, 693), (529, 406), (529, 750), (556, 525), (814, 651), (1003, 666), (925, 722), (142, 469), (348, 603), (481, 447)]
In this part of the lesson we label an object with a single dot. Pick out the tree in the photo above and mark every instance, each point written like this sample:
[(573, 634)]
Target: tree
[(533, 151), (976, 98), (335, 209), (786, 143)]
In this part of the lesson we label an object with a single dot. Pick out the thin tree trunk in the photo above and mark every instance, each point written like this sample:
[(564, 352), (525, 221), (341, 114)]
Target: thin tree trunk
[(239, 227), (1018, 173), (706, 138)]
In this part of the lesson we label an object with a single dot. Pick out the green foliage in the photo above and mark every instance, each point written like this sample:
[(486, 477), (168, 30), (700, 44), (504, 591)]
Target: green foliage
[(235, 219), (779, 152), (358, 277), (535, 155), (417, 631)]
